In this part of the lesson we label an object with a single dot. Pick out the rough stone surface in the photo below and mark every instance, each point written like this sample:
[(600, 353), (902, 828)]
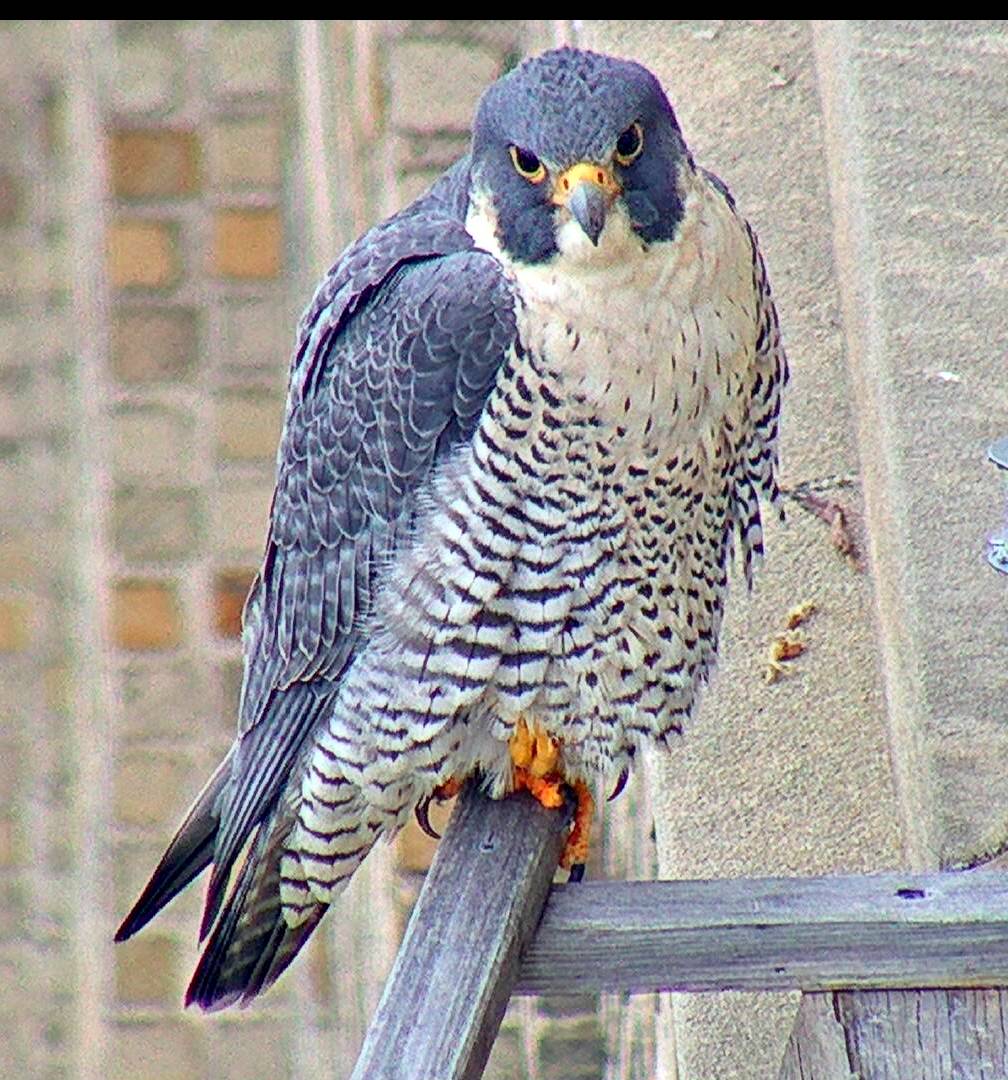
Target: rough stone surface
[(153, 445), (452, 76), (881, 745), (147, 970), (248, 426), (257, 333), (245, 153), (240, 512), (249, 59), (155, 524), (154, 344)]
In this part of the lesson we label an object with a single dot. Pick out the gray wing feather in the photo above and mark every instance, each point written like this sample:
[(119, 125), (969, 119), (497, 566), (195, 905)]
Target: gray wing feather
[(396, 355), (367, 421)]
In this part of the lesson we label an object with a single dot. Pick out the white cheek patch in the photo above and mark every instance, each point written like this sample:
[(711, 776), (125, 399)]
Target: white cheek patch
[(481, 224), (617, 241)]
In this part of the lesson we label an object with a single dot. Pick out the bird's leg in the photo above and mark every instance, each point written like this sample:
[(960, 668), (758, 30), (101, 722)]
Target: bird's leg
[(536, 759), (449, 789), (575, 852)]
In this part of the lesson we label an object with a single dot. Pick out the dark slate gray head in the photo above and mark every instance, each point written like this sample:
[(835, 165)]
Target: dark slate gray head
[(569, 134)]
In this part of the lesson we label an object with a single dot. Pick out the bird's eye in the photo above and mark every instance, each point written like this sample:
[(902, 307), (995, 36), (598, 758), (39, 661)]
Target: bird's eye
[(630, 144), (528, 165)]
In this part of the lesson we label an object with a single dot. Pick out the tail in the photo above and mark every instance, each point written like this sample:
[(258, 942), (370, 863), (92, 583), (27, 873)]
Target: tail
[(253, 931), (252, 942), (188, 855)]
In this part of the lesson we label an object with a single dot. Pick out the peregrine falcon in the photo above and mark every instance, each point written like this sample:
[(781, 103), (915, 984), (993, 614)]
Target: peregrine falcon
[(528, 418)]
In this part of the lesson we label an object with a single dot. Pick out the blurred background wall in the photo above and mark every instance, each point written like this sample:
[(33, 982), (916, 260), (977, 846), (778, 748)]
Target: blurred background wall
[(169, 195)]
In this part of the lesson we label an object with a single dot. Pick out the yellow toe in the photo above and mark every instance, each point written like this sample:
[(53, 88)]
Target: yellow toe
[(545, 756), (522, 746)]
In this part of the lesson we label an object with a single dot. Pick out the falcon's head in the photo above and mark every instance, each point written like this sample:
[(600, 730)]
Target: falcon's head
[(573, 151)]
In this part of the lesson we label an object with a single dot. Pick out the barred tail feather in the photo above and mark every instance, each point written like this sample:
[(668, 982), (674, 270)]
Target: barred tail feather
[(252, 941)]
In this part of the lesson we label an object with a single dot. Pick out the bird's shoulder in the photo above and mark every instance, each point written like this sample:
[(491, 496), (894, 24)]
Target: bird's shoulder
[(395, 358)]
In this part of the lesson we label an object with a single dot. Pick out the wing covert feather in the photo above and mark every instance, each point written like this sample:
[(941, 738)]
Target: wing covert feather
[(397, 355)]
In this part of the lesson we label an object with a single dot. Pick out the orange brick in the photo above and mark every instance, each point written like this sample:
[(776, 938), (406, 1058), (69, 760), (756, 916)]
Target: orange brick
[(142, 254), (230, 589), (247, 243), (153, 163), (149, 345), (145, 615), (15, 625), (147, 970)]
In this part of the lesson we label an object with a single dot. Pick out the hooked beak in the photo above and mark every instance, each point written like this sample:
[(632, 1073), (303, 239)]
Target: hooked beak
[(587, 191)]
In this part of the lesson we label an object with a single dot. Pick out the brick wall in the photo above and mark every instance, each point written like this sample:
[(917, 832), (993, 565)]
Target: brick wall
[(145, 335)]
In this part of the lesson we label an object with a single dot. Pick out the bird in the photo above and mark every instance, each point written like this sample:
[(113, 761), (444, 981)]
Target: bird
[(531, 420)]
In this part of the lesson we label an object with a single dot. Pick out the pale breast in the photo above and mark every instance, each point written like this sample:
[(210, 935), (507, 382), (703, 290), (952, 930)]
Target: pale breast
[(569, 567), (617, 599)]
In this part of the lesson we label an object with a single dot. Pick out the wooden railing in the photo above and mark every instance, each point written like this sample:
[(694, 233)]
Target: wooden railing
[(896, 967)]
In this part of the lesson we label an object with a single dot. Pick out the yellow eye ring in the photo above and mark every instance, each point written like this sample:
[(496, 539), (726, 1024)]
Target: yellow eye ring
[(528, 165), (629, 145)]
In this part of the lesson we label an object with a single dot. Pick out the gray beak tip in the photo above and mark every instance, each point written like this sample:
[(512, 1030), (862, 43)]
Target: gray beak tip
[(589, 206)]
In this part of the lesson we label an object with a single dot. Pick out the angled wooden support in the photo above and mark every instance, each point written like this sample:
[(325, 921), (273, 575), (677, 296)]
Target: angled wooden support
[(479, 906)]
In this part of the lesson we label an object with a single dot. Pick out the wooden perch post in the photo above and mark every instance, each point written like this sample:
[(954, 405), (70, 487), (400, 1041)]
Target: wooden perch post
[(896, 1034), (459, 960)]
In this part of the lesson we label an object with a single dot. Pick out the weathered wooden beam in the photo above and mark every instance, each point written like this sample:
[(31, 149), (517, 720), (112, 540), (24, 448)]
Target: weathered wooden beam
[(878, 931), (894, 1034), (481, 902)]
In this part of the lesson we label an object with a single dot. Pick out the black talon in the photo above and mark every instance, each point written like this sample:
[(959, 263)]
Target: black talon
[(421, 811), (577, 872), (620, 785)]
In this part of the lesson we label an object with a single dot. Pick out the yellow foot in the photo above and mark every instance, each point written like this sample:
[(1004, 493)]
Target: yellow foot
[(536, 759), (533, 750)]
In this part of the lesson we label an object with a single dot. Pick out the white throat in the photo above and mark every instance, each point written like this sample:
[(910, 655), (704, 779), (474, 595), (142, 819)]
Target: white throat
[(620, 319)]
